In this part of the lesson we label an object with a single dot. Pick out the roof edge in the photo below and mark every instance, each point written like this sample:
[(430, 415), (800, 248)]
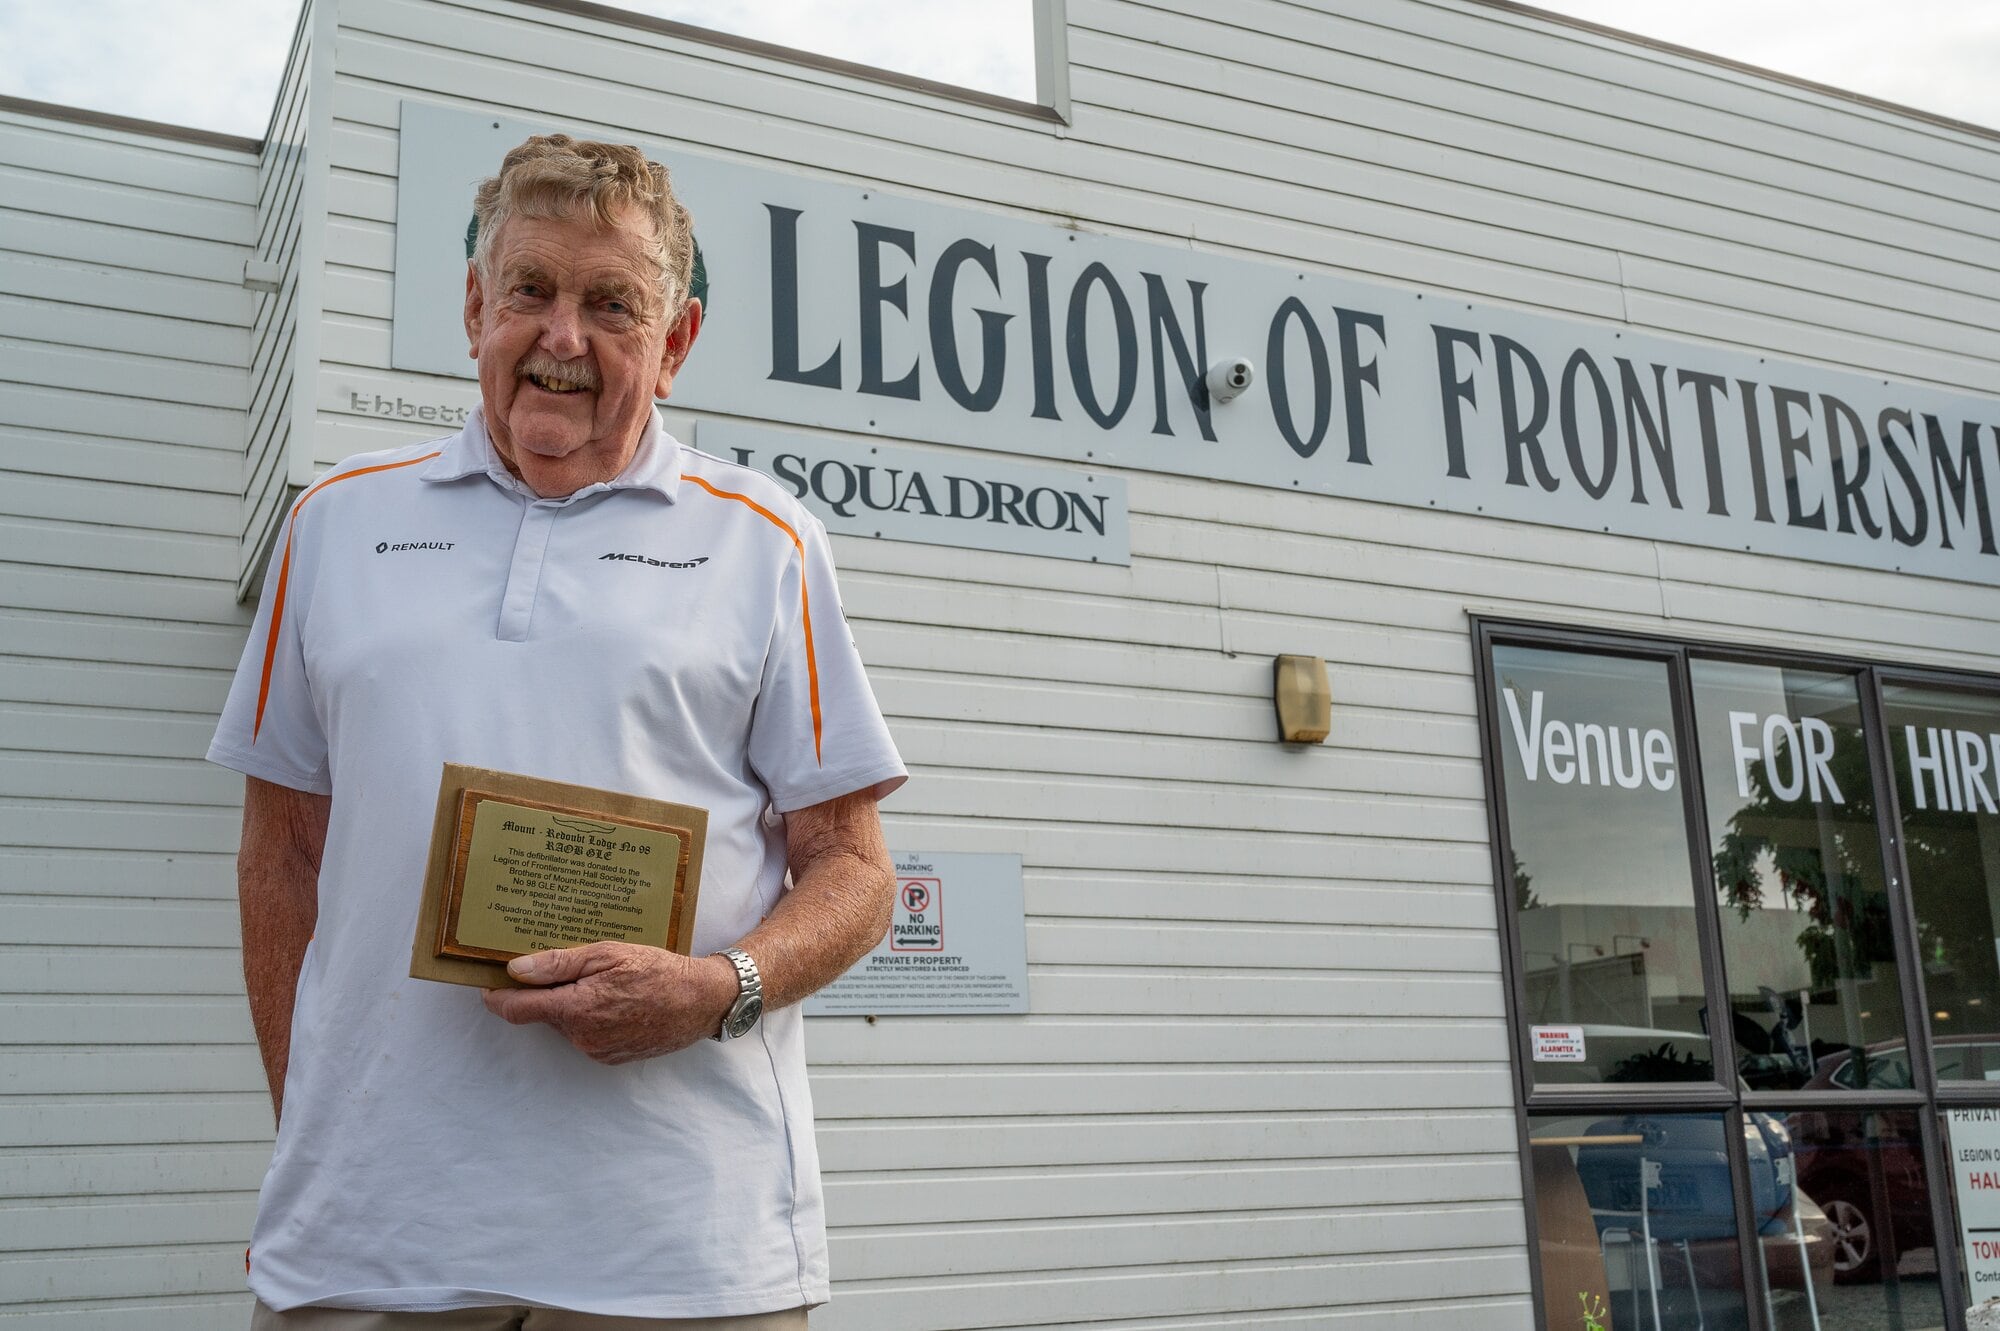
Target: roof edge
[(77, 115), (1743, 67)]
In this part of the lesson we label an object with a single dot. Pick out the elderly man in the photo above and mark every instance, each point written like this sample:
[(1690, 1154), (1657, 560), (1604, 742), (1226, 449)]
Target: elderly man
[(579, 1152)]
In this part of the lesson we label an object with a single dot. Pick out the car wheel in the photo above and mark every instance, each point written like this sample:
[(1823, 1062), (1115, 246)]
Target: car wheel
[(1857, 1257)]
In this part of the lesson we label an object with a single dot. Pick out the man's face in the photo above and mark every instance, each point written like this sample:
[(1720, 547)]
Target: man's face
[(573, 344)]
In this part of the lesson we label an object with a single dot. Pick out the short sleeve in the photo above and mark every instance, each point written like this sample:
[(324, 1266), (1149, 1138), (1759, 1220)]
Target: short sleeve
[(270, 728), (816, 732)]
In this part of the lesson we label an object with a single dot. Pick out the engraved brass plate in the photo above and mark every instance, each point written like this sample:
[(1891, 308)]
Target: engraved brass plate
[(519, 865)]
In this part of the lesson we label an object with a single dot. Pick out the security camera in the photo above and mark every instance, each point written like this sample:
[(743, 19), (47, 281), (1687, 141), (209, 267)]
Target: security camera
[(1228, 378)]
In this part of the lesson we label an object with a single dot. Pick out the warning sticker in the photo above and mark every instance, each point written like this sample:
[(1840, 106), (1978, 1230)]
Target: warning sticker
[(1557, 1044)]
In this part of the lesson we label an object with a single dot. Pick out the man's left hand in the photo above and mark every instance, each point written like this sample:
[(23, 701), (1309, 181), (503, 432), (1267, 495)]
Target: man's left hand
[(619, 1002)]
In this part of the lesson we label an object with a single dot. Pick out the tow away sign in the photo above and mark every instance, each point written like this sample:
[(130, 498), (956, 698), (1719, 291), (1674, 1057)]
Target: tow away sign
[(1975, 1168)]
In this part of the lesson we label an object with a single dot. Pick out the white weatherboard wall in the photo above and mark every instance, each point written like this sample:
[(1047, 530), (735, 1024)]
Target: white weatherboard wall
[(133, 1124), (1264, 1080)]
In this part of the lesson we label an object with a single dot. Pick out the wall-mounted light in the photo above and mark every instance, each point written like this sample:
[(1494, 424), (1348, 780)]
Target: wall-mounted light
[(1305, 702)]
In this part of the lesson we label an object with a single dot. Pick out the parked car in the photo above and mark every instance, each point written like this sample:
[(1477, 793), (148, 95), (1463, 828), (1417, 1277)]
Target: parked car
[(1870, 1184), (1886, 1066)]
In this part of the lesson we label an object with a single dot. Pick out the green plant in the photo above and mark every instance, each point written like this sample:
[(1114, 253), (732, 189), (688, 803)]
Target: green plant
[(1594, 1311)]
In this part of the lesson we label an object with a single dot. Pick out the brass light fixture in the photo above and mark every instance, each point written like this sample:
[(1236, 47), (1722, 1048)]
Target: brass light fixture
[(1305, 702)]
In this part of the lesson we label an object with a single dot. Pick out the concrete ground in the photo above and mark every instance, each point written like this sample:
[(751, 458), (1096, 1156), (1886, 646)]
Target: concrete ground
[(1911, 1303)]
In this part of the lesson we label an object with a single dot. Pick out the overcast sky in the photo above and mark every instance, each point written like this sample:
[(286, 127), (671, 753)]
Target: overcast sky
[(215, 63)]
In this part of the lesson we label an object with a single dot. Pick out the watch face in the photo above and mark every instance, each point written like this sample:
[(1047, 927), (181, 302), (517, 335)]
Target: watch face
[(744, 1015)]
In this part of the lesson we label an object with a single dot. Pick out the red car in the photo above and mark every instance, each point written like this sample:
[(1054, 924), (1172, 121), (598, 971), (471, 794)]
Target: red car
[(1871, 1182)]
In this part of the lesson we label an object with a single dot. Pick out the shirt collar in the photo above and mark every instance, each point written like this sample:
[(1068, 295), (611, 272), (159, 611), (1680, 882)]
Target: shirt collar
[(655, 465)]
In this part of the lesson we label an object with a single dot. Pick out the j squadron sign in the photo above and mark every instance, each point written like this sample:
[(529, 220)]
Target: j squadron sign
[(843, 307)]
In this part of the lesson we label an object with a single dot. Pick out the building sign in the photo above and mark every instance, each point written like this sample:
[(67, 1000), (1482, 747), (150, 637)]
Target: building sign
[(1594, 752), (1975, 1175), (422, 402), (1950, 768), (956, 943), (840, 306), (933, 497)]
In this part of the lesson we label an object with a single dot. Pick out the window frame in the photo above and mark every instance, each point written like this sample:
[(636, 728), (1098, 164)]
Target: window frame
[(1964, 1095), (1714, 1094), (1928, 1098)]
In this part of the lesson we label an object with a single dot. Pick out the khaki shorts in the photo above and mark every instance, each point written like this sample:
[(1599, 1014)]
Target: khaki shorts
[(508, 1318)]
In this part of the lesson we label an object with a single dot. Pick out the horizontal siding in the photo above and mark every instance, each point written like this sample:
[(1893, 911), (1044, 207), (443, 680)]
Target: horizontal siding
[(1079, 1192), (1375, 1290), (1051, 1141), (1214, 1235), (65, 451), (131, 1136), (146, 1312), (67, 329), (146, 1272)]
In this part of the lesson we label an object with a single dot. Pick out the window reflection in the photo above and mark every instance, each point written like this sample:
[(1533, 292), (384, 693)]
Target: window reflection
[(1635, 1219), (1806, 939), (1637, 1223), (1864, 1172), (1603, 885), (1945, 748)]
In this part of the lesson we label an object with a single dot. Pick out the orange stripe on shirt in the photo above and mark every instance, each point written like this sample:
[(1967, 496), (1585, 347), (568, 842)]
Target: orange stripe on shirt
[(805, 602), (285, 577)]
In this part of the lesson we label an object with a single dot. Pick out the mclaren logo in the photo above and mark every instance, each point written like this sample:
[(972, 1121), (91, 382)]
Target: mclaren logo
[(657, 563)]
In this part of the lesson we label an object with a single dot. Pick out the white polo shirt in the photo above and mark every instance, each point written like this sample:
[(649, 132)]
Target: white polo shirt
[(674, 633)]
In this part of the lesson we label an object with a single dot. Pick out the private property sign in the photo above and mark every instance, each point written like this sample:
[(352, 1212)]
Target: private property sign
[(957, 942), (1975, 1169), (842, 307)]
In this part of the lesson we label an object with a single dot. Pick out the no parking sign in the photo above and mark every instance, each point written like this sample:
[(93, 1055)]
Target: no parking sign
[(919, 922)]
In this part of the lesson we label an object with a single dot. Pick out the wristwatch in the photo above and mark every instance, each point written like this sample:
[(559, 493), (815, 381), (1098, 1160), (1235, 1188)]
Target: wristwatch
[(749, 1004)]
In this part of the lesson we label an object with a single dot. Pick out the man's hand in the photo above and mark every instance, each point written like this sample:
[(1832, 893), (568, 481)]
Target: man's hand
[(620, 1002)]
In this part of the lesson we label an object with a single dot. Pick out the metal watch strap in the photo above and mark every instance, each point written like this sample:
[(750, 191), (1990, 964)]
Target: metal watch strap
[(749, 1004)]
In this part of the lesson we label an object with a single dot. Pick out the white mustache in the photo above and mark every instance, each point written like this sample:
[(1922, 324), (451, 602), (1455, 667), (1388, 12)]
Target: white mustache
[(565, 374)]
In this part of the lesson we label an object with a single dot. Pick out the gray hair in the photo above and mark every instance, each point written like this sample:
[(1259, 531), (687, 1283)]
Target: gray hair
[(554, 175)]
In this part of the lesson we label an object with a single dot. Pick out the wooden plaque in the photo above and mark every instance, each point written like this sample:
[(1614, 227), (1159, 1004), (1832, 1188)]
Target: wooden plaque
[(519, 865)]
